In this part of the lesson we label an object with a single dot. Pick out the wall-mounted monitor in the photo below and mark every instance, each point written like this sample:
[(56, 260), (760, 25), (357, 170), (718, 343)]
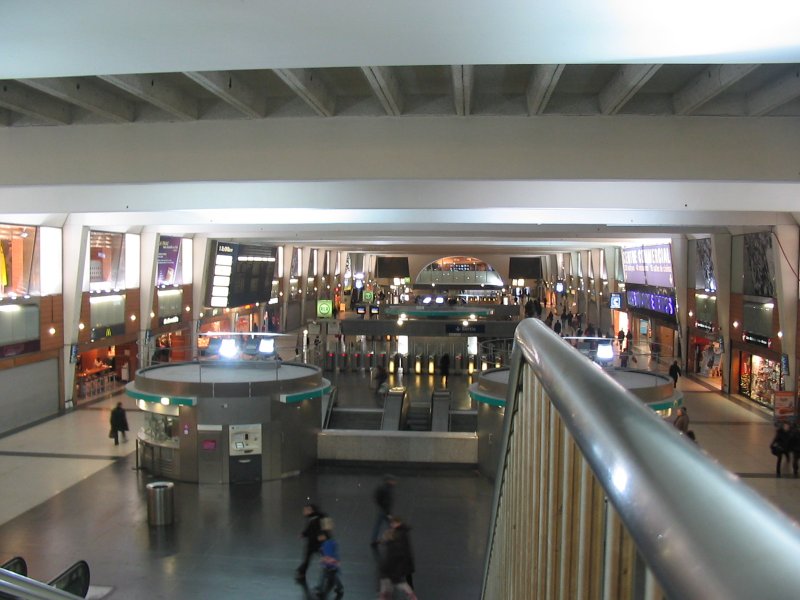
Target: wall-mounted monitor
[(615, 301), (239, 274), (361, 310), (374, 310)]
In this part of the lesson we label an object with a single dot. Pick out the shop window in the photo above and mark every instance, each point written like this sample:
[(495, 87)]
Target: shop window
[(19, 261), (706, 308), (18, 324), (757, 317), (170, 303), (106, 261), (106, 311)]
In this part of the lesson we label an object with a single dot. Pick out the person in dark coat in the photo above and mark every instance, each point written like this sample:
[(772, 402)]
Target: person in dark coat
[(444, 367), (310, 534), (384, 499), (119, 424), (794, 447), (397, 561), (781, 445), (681, 422), (674, 372)]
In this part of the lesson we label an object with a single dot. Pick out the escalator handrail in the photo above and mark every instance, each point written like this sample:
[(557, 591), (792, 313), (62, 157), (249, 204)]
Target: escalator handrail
[(25, 588), (331, 401), (17, 565), (74, 579)]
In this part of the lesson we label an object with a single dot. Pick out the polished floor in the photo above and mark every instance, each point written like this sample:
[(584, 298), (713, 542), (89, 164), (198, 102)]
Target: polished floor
[(69, 494)]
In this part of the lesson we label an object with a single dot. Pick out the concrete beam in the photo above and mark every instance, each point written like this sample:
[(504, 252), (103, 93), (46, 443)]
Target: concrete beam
[(166, 97), (627, 81), (20, 99), (82, 92), (386, 87), (544, 80), (230, 88), (463, 83), (708, 84), (775, 94), (310, 88)]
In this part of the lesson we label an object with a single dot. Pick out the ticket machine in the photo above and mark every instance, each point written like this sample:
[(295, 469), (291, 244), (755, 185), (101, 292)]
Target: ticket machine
[(245, 453)]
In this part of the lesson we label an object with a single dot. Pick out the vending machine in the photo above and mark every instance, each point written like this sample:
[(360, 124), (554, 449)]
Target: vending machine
[(245, 453)]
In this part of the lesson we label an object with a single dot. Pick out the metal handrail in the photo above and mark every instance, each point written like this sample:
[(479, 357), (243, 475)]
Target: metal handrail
[(701, 531), (331, 401), (25, 588)]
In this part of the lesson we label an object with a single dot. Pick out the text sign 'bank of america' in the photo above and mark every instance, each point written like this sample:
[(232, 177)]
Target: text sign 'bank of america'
[(453, 329)]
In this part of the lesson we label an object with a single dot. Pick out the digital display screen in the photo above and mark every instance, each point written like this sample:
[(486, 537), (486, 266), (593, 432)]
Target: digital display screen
[(615, 301), (238, 445), (239, 274), (560, 287), (374, 310), (361, 310)]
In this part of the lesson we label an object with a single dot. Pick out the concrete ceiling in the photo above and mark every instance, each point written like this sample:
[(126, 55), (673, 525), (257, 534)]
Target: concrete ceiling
[(519, 127)]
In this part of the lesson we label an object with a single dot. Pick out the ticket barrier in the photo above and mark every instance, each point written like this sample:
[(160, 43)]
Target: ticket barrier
[(372, 360), (330, 360), (358, 361), (418, 364), (431, 364), (245, 453), (458, 364), (344, 361), (383, 360), (472, 364)]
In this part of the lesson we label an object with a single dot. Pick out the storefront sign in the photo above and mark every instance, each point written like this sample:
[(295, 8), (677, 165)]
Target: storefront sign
[(758, 340), (646, 300), (648, 265), (107, 331), (784, 405), (170, 320), (704, 325), (453, 329)]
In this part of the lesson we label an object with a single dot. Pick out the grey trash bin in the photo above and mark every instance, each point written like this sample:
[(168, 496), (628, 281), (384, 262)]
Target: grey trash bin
[(160, 502)]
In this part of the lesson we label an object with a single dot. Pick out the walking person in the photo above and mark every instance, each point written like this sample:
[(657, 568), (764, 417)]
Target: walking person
[(444, 367), (310, 534), (397, 561), (119, 424), (674, 372), (330, 578), (384, 499), (781, 445)]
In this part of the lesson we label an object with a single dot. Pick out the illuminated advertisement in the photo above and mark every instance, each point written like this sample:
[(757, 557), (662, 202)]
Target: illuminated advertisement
[(648, 265), (663, 304)]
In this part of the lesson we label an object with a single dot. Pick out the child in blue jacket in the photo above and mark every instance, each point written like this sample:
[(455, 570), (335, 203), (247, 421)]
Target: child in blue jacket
[(329, 549)]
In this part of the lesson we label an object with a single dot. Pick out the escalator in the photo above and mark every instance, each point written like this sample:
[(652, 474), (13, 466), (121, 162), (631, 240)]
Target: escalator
[(73, 583)]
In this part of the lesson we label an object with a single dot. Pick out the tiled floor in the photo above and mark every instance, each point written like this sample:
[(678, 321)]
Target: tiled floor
[(69, 493)]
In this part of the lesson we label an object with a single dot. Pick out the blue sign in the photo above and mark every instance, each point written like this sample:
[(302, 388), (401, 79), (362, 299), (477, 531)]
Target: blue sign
[(651, 301)]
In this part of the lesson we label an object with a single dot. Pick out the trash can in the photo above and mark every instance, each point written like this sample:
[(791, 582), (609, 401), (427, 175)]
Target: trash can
[(160, 503)]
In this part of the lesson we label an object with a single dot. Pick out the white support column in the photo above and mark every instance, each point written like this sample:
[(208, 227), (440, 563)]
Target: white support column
[(283, 295), (786, 248), (147, 279), (721, 259), (602, 324), (680, 266), (582, 279), (76, 240), (199, 270), (611, 267)]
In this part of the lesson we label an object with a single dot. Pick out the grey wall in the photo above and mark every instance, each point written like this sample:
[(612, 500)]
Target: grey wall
[(30, 392)]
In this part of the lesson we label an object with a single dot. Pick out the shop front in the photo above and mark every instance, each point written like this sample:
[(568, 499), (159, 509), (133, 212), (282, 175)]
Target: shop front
[(653, 322), (761, 375), (170, 336), (107, 352)]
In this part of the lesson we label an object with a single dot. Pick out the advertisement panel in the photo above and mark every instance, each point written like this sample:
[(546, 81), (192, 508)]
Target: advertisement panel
[(648, 265), (169, 252)]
